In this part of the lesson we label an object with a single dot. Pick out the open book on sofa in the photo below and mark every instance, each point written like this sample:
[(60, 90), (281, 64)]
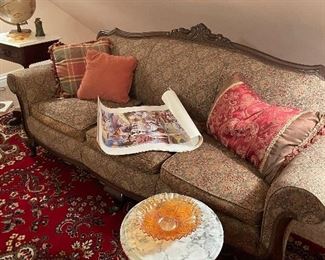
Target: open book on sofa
[(143, 128)]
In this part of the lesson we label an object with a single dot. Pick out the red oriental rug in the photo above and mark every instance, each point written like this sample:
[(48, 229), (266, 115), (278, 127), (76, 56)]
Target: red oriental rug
[(52, 210)]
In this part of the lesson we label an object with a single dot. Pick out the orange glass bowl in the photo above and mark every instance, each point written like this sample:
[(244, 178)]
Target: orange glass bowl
[(169, 216)]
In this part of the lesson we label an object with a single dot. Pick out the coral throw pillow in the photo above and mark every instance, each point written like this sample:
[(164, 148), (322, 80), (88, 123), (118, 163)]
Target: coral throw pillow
[(107, 76), (69, 61), (269, 136)]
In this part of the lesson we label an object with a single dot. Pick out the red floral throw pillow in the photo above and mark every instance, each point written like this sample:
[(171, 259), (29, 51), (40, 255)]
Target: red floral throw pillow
[(268, 136), (69, 62)]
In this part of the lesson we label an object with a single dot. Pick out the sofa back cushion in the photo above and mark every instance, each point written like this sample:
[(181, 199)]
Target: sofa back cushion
[(192, 70), (195, 71), (276, 84), (139, 49)]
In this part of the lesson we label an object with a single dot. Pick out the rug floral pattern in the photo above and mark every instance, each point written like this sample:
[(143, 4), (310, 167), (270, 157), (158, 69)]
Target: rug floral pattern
[(51, 210)]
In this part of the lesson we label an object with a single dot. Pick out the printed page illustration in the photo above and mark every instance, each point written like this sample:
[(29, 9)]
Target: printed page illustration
[(144, 128)]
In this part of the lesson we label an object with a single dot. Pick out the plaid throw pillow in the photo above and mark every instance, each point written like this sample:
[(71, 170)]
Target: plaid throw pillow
[(69, 62)]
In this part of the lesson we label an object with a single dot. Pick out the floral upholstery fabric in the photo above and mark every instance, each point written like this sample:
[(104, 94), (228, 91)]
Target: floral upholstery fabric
[(138, 48), (268, 136), (218, 177), (129, 180), (246, 124), (241, 235), (191, 70), (148, 162), (71, 116), (298, 192), (188, 68), (32, 85), (58, 142), (276, 84)]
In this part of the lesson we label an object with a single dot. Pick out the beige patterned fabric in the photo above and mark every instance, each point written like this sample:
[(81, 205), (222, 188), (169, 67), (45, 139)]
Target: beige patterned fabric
[(190, 69), (56, 141), (216, 176), (236, 233), (240, 235), (276, 84), (148, 162), (32, 85), (128, 179), (71, 116), (138, 48), (132, 181), (162, 187), (298, 192), (91, 135)]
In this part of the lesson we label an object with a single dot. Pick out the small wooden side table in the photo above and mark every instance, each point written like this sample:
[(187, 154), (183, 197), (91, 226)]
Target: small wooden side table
[(25, 52)]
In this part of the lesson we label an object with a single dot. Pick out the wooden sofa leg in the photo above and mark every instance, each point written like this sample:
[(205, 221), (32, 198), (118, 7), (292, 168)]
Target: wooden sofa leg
[(32, 146), (118, 205), (119, 198)]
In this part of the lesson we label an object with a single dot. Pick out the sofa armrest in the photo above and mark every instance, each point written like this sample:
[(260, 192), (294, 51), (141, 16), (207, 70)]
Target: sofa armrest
[(32, 85), (297, 194)]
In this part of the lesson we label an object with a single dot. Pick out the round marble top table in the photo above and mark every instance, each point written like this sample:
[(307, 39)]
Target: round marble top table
[(203, 244)]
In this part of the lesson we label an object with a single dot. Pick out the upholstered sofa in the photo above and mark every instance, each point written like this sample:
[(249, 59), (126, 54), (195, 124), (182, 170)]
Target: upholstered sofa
[(193, 62)]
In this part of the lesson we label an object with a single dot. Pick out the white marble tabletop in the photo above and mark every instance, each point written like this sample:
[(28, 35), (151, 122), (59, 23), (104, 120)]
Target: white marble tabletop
[(204, 243), (31, 40)]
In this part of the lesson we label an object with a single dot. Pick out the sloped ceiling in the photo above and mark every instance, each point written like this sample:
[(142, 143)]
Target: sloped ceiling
[(292, 30)]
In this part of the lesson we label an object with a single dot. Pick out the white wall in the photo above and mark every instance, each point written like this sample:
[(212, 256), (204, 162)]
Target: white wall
[(289, 29), (55, 22)]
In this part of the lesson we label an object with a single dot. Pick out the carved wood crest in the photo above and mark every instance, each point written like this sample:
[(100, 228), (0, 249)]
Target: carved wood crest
[(200, 33)]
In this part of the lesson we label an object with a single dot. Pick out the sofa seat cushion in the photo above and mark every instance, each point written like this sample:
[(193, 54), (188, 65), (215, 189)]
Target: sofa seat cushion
[(71, 116), (149, 162), (219, 178)]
